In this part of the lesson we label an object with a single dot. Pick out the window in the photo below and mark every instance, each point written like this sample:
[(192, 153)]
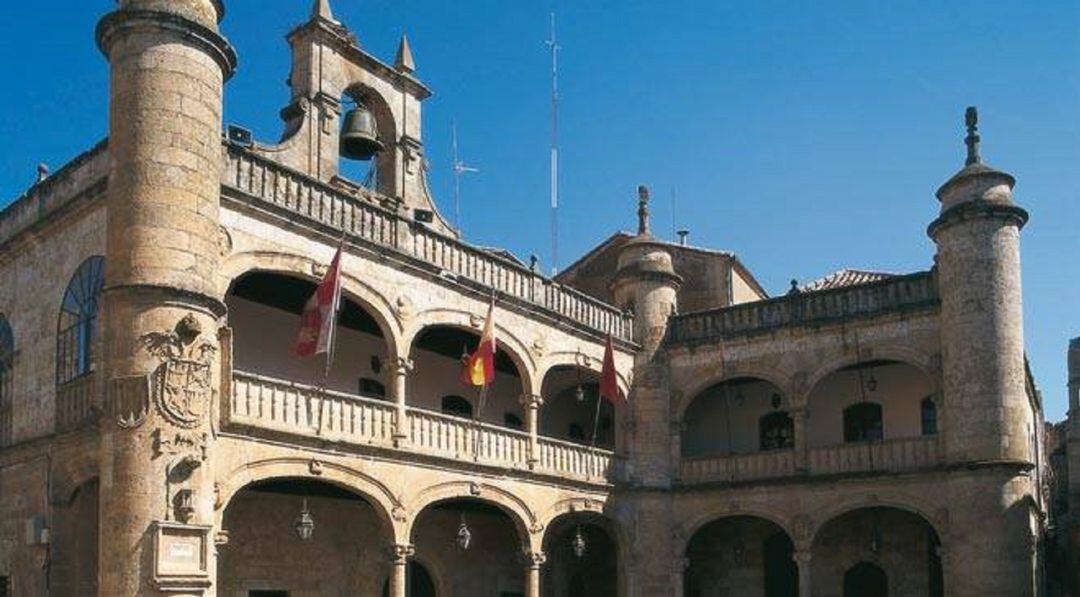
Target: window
[(456, 406), (4, 587), (929, 416), (862, 422), (777, 431), (513, 421), (7, 357), (77, 325), (372, 388)]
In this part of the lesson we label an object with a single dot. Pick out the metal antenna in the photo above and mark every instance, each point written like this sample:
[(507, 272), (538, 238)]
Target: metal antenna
[(459, 168), (555, 47)]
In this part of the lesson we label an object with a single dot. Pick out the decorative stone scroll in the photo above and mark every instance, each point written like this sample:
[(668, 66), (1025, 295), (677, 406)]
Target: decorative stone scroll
[(183, 386)]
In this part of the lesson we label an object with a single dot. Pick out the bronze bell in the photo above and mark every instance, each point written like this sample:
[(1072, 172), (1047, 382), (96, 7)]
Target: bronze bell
[(359, 135)]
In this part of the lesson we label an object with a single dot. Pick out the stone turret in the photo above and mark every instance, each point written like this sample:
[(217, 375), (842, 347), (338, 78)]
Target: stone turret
[(161, 312), (646, 284), (1073, 465), (989, 423)]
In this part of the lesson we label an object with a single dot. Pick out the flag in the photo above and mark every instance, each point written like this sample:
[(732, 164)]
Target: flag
[(609, 384), (316, 333), (478, 368)]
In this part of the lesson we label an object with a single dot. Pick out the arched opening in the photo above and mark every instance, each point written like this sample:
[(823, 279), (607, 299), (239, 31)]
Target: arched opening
[(76, 326), (865, 580), (345, 553), (582, 557), (741, 555), (436, 385), (264, 312), (867, 401), (379, 173), (877, 551), (737, 416), (7, 363), (418, 582), (73, 566), (573, 409), (475, 543)]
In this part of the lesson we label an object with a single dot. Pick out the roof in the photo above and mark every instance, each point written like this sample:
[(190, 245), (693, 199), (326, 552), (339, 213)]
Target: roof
[(844, 278)]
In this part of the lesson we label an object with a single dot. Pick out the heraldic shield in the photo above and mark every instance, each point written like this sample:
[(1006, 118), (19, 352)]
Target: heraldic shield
[(185, 391)]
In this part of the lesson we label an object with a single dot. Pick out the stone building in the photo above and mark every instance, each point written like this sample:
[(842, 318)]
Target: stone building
[(865, 433)]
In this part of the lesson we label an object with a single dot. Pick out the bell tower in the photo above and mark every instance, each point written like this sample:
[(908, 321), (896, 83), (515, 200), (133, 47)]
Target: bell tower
[(348, 104), (989, 427), (168, 63)]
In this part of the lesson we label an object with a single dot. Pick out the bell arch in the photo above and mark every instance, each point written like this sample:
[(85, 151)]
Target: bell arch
[(359, 95)]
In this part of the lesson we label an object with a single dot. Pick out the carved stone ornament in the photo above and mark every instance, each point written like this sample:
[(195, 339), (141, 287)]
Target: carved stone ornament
[(534, 559), (474, 488), (401, 552), (183, 385), (399, 514), (129, 400), (180, 443), (475, 320), (403, 307), (538, 346), (225, 242), (315, 467)]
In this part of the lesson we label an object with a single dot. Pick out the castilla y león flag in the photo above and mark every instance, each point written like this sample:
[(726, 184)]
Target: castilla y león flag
[(317, 321), (609, 385), (479, 367)]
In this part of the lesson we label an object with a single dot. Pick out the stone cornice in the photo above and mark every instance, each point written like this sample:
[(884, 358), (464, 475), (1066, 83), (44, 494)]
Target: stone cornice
[(970, 210), (210, 41)]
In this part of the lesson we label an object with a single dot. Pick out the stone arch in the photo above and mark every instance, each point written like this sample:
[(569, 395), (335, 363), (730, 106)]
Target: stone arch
[(70, 473), (303, 267), (901, 354), (386, 127), (686, 531), (526, 522), (592, 511), (568, 358), (905, 503), (387, 507), (506, 339), (776, 377)]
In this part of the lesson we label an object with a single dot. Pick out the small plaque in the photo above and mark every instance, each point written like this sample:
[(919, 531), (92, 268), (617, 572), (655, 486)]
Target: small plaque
[(181, 556)]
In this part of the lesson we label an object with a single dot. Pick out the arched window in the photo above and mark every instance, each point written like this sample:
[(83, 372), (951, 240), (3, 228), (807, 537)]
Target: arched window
[(457, 406), (865, 580), (862, 422), (777, 431), (77, 325), (372, 388), (7, 358), (928, 408)]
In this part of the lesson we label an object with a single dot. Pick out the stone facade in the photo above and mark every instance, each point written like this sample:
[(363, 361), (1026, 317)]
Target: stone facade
[(162, 440)]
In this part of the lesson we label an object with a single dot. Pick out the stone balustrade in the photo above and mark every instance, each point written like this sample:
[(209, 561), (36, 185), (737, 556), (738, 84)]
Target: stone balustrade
[(286, 408), (367, 217), (891, 456), (899, 294), (738, 467)]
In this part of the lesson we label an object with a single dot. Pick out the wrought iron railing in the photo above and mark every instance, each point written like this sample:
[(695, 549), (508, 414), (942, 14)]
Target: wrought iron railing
[(249, 177)]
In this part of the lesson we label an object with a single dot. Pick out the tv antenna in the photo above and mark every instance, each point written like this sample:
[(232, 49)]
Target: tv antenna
[(555, 47), (459, 168)]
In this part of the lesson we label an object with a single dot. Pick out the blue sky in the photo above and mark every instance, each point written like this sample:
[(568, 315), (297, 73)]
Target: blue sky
[(804, 136)]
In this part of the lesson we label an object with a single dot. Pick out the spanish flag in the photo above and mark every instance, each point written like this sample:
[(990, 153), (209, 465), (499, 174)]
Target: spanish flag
[(479, 367), (316, 334)]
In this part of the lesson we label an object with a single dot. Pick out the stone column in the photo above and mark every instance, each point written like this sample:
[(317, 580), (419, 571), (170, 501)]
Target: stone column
[(802, 558), (678, 575), (533, 561), (532, 403), (161, 312), (798, 417), (399, 557), (399, 372)]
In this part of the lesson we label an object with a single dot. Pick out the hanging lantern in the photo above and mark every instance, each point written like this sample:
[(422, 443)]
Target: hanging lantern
[(305, 524), (740, 399), (871, 384), (876, 540), (775, 401), (578, 543), (464, 535), (579, 393), (739, 550)]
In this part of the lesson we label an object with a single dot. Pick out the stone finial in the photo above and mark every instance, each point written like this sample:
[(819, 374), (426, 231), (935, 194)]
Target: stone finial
[(971, 120), (404, 61), (42, 172), (643, 210), (321, 10)]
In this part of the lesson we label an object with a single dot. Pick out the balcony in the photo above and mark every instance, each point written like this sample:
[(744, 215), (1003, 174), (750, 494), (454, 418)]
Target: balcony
[(889, 456), (901, 294), (266, 405), (254, 180), (73, 402)]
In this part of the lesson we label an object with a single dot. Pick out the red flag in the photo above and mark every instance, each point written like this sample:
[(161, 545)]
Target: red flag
[(317, 321), (609, 384), (479, 367)]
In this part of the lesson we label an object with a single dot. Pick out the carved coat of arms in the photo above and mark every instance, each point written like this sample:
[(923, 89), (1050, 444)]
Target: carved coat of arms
[(183, 384)]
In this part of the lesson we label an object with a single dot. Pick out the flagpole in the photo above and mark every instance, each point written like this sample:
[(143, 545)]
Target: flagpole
[(480, 399), (333, 330), (596, 418)]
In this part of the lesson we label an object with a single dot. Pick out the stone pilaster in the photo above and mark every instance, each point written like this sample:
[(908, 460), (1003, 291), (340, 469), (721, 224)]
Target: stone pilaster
[(161, 315), (399, 375), (534, 560), (802, 560), (399, 559), (531, 403)]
